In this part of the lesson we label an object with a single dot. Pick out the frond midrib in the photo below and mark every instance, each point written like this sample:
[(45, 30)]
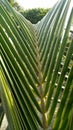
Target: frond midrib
[(40, 79)]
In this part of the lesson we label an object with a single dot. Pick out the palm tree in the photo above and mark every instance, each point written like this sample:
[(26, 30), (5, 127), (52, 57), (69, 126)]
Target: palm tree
[(36, 84)]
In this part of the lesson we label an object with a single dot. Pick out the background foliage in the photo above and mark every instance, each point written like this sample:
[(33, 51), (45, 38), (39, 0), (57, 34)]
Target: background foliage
[(34, 15)]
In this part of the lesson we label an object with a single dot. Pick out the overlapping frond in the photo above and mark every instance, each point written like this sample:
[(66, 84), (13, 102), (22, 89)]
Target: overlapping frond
[(36, 69)]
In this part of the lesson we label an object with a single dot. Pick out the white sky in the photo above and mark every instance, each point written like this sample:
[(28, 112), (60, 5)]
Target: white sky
[(28, 4), (36, 3)]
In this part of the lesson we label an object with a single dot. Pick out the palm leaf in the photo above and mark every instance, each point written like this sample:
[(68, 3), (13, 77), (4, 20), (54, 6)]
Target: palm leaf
[(37, 69), (1, 113)]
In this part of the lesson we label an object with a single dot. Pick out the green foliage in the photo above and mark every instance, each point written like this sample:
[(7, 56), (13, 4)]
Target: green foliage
[(11, 2), (34, 15), (15, 5), (36, 87), (18, 7)]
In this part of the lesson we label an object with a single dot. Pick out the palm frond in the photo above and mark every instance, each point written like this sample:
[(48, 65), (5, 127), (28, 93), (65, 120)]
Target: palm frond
[(36, 72)]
